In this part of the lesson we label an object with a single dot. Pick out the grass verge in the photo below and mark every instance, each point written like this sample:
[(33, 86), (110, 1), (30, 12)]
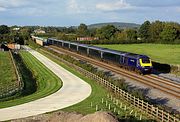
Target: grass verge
[(47, 82)]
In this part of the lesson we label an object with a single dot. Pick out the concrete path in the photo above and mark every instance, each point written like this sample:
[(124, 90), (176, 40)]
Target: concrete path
[(74, 90)]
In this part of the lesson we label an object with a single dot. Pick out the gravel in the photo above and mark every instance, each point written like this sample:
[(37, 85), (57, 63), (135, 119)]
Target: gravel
[(172, 77)]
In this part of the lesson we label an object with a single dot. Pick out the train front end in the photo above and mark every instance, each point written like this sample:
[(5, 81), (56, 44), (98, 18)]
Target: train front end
[(145, 65)]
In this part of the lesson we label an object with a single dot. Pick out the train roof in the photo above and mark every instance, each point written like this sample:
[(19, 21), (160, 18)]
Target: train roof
[(73, 43), (114, 51), (96, 48), (107, 50), (133, 55), (83, 45), (127, 54)]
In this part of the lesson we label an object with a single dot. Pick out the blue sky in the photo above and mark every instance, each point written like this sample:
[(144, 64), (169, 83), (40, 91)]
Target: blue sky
[(74, 12)]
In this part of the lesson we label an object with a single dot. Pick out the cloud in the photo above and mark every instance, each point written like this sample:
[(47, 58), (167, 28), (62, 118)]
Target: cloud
[(121, 4), (73, 6), (79, 7), (178, 9), (2, 9), (13, 3)]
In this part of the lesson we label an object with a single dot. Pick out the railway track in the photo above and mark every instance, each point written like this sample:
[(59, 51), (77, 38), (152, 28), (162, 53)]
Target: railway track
[(164, 85)]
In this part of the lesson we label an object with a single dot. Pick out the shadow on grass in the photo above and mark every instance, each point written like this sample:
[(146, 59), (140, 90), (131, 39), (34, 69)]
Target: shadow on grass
[(28, 79)]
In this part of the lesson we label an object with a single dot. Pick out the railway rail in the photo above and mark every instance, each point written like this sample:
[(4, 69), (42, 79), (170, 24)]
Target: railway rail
[(162, 84)]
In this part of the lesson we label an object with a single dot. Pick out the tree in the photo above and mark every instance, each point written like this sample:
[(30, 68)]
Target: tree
[(121, 36), (169, 33), (155, 29), (82, 30), (131, 34), (106, 32), (144, 30), (4, 29)]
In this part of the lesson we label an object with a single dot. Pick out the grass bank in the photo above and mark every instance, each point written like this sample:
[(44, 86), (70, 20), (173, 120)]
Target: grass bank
[(163, 53), (7, 72), (47, 82)]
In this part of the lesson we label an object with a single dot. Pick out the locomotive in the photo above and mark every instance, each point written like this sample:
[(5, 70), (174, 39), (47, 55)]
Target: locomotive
[(134, 62)]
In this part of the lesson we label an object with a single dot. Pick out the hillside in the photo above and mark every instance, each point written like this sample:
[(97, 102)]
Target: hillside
[(120, 25)]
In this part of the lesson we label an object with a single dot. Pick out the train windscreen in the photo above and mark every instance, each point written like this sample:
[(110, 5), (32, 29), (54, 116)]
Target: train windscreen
[(145, 60)]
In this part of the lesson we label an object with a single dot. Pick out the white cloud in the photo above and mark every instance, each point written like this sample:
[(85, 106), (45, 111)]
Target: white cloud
[(75, 7), (2, 9), (120, 4), (13, 3), (178, 9)]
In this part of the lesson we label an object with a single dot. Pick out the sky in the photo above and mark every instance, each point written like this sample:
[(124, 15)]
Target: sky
[(73, 12)]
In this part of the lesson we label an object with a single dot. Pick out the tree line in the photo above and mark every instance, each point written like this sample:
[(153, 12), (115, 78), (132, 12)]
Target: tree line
[(148, 32)]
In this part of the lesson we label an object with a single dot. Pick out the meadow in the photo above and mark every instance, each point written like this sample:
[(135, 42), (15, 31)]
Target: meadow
[(162, 53)]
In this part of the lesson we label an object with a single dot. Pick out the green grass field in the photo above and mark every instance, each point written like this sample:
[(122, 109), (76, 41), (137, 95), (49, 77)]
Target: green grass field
[(162, 53), (7, 72), (47, 82)]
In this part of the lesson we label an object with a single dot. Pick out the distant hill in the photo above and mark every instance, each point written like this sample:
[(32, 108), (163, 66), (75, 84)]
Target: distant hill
[(119, 25)]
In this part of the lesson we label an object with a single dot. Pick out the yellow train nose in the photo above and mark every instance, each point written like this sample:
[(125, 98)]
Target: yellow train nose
[(145, 64)]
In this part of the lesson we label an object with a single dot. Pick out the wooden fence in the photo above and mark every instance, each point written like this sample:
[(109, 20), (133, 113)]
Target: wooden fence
[(151, 110), (13, 87)]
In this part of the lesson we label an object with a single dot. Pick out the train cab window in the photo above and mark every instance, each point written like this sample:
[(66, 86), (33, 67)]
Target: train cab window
[(145, 60)]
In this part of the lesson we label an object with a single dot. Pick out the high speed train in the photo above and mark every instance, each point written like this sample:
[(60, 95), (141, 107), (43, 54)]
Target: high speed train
[(135, 62)]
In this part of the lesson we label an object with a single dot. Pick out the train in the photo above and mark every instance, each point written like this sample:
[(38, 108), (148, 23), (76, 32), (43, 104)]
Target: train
[(138, 63)]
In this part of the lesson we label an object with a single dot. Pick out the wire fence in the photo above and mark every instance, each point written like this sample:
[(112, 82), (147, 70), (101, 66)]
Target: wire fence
[(13, 87), (145, 107)]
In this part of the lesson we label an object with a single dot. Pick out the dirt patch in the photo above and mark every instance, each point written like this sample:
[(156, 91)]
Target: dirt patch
[(70, 117)]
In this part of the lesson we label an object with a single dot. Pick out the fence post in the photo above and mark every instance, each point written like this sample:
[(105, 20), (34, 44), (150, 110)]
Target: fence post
[(157, 112), (140, 117), (91, 104), (142, 104), (102, 100), (131, 112), (121, 105), (162, 114), (168, 117), (114, 109), (125, 107), (96, 107), (106, 103), (109, 106)]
